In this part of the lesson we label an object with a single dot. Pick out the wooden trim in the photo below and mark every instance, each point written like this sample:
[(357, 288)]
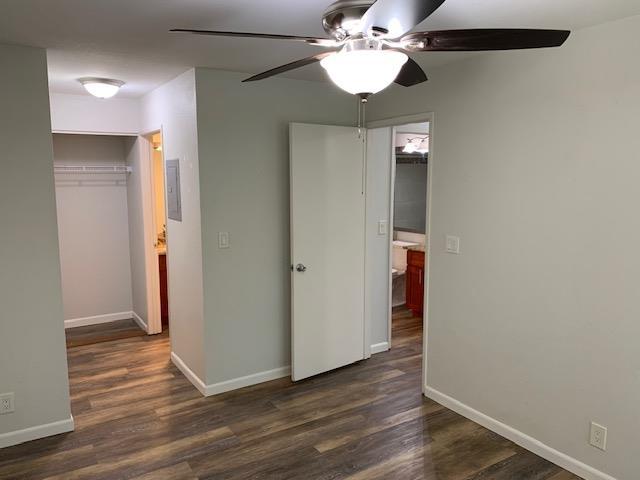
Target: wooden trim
[(536, 446), (38, 431)]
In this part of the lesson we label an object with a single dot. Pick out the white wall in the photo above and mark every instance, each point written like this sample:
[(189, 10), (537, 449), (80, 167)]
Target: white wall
[(87, 114), (244, 172), (379, 151), (33, 361), (139, 213), (93, 229), (172, 108), (536, 168)]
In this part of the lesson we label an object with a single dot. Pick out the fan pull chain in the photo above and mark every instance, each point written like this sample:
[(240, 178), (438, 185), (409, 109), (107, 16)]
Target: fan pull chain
[(363, 99), (359, 119)]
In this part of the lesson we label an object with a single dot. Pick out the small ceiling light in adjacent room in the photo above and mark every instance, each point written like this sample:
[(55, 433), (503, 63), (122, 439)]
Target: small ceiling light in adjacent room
[(101, 87), (416, 145)]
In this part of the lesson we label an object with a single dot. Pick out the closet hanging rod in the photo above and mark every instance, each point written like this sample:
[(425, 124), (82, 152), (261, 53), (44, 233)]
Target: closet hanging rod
[(92, 169)]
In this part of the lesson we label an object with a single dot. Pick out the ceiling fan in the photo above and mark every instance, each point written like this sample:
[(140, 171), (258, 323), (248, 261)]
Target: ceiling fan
[(369, 43)]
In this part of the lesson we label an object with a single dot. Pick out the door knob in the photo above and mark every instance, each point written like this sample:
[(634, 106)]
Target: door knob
[(301, 268)]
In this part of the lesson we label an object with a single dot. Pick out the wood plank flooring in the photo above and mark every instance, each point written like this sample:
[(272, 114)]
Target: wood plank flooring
[(138, 418), (121, 329)]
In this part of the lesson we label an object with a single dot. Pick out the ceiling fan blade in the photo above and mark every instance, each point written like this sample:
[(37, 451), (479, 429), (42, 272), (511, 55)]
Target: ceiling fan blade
[(289, 66), (411, 74), (312, 40), (483, 39), (397, 17)]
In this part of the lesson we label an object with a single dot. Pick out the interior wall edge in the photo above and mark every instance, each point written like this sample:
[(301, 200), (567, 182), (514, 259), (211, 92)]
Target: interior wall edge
[(140, 321), (188, 373), (533, 445)]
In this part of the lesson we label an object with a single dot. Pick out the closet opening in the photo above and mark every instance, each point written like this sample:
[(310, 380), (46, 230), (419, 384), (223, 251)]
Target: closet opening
[(110, 200)]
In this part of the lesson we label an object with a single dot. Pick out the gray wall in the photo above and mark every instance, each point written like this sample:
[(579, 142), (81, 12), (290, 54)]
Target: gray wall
[(172, 109), (244, 185), (410, 197), (536, 168), (93, 226), (33, 361)]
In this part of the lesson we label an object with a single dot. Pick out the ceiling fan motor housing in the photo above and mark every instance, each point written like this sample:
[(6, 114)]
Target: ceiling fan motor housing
[(343, 18)]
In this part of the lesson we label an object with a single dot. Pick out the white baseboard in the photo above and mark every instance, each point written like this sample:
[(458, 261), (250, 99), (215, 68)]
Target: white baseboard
[(141, 323), (33, 433), (565, 461), (247, 381), (228, 385), (379, 348), (109, 317), (187, 372)]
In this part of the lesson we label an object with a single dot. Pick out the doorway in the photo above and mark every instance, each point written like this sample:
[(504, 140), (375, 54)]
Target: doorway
[(95, 217), (340, 178), (408, 233), (111, 208), (159, 216)]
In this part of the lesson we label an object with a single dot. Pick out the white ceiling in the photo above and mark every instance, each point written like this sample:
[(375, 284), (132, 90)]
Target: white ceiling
[(129, 39)]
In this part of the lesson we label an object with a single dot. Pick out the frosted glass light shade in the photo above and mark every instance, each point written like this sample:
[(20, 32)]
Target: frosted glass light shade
[(101, 87), (364, 71)]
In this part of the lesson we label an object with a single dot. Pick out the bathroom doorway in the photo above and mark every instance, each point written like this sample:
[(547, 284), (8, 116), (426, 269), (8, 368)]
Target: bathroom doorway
[(399, 165), (410, 157), (157, 274)]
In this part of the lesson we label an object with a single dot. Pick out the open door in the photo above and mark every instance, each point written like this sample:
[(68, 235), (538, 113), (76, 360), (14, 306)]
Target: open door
[(327, 247)]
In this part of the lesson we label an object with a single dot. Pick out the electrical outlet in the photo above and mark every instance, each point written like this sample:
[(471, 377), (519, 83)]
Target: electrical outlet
[(598, 436), (6, 403)]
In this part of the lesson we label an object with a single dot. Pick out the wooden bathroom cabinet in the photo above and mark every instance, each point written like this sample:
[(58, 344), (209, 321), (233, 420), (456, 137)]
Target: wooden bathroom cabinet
[(415, 281)]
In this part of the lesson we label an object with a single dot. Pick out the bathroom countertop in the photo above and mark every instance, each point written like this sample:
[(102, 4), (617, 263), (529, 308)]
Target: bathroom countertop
[(161, 250), (417, 248)]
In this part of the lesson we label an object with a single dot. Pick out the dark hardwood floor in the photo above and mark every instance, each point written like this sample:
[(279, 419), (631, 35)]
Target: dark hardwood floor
[(107, 332), (138, 418)]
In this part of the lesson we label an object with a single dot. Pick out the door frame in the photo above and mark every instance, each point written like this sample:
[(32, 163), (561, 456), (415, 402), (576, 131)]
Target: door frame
[(393, 123), (154, 320)]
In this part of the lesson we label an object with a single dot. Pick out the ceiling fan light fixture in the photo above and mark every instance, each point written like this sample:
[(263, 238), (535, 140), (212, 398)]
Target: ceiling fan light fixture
[(101, 87), (364, 71)]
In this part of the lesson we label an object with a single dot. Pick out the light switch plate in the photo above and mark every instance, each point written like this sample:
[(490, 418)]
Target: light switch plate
[(452, 244), (223, 240), (598, 436), (382, 227), (7, 403)]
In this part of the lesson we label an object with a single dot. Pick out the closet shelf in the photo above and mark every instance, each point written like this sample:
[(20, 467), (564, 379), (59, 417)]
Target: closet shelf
[(91, 169)]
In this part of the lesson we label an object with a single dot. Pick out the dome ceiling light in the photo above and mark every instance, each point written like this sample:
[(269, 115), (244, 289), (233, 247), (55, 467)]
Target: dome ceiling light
[(101, 87)]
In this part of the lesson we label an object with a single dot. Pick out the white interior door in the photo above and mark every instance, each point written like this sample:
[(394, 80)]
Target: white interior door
[(327, 248)]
